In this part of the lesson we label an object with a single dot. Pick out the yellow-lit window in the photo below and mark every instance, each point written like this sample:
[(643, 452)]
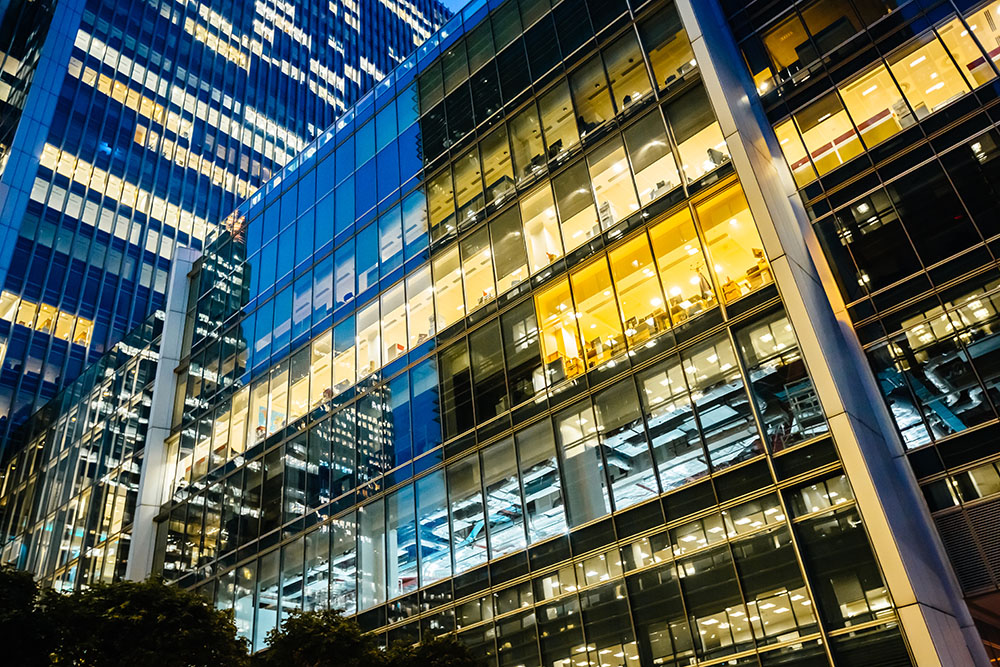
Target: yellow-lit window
[(558, 122), (927, 75), (321, 369), (220, 438), (258, 413), (8, 304), (527, 146), (238, 422), (277, 414), (497, 173), (441, 204), (541, 230), (827, 133), (700, 143), (420, 306), (787, 42), (477, 269), (986, 28), (876, 105), (369, 355), (795, 152), (682, 266), (626, 70), (83, 331), (394, 338), (667, 45), (202, 451), (971, 61), (46, 319), (344, 356), (560, 342), (468, 186), (640, 299), (510, 260), (609, 172), (597, 313), (734, 245), (64, 326), (577, 215), (26, 314), (298, 395), (653, 163), (448, 298)]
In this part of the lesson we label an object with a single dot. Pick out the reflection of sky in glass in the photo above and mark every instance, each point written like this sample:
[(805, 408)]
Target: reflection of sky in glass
[(454, 5)]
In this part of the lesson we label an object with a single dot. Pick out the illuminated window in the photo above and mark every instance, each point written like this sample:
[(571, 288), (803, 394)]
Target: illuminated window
[(468, 186), (441, 204), (597, 313), (298, 397), (26, 314), (420, 306), (477, 269), (682, 266), (46, 318), (277, 416), (497, 173), (627, 71), (560, 342), (258, 413), (448, 299), (876, 106), (369, 355), (238, 421), (558, 124), (828, 133), (927, 75), (700, 143), (577, 215), (394, 340), (8, 303), (83, 331), (612, 181), (734, 245), (795, 152), (321, 369), (640, 299), (653, 163), (541, 231), (220, 438), (344, 361), (526, 142), (64, 326), (987, 30), (667, 45), (509, 258), (971, 61)]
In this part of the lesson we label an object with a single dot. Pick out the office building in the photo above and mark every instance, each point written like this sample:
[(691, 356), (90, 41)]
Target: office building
[(132, 128), (551, 342)]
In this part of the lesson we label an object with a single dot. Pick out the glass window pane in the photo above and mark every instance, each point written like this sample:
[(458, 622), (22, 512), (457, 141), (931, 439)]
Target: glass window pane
[(827, 133), (321, 369), (653, 163), (468, 187), (448, 299), (394, 340), (543, 499), (590, 96), (510, 261), (613, 185), (597, 313), (586, 488), (523, 359), (390, 240), (526, 140), (468, 519), (640, 299), (560, 342), (278, 398), (503, 499), (441, 204), (433, 532), (987, 30), (876, 105), (699, 139), (344, 363), (369, 341), (666, 43), (673, 430), (541, 231), (558, 123), (623, 439), (486, 355), (343, 564), (733, 244), (371, 555), (627, 71), (795, 152), (366, 258), (497, 172), (681, 262), (477, 269), (927, 75), (575, 200), (298, 395), (401, 542), (316, 579), (420, 305), (456, 390)]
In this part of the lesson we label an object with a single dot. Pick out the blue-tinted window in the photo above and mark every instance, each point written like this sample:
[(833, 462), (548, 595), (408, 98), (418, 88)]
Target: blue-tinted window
[(286, 251), (366, 253), (322, 298), (387, 166), (282, 320), (398, 424), (390, 240), (345, 206), (365, 188), (304, 237), (385, 126), (364, 143), (345, 159), (324, 216), (414, 223), (302, 307), (425, 406), (344, 273)]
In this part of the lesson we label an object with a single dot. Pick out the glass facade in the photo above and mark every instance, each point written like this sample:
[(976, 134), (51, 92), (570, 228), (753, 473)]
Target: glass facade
[(885, 111), (148, 124), (501, 354)]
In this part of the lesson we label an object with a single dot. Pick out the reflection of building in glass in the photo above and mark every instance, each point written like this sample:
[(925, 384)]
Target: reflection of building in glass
[(143, 126), (535, 345)]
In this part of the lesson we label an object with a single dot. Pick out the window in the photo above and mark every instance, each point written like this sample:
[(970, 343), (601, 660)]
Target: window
[(468, 187), (596, 313), (468, 520), (371, 558), (827, 133), (505, 513), (258, 412), (344, 363), (986, 30), (390, 240), (623, 438), (456, 390), (520, 344), (927, 75), (627, 71), (510, 261), (394, 340), (433, 532), (540, 476), (682, 266), (369, 344), (700, 143), (586, 488), (238, 424), (321, 369), (560, 346), (577, 215), (477, 269), (558, 123), (733, 244), (528, 149), (343, 564), (497, 173), (420, 306), (653, 163), (366, 259), (666, 43), (298, 399), (441, 204), (640, 299), (448, 300), (401, 535), (613, 186), (541, 231), (795, 152), (278, 398), (875, 104), (590, 96)]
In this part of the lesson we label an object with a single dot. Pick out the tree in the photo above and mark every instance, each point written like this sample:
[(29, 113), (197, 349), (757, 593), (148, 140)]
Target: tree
[(319, 639), (438, 652), (23, 635), (126, 623)]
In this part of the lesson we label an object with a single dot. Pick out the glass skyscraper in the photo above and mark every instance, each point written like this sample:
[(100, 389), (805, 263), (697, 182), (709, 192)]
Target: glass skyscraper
[(132, 128), (587, 337)]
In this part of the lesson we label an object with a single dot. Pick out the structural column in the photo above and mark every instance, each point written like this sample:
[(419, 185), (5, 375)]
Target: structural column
[(154, 460), (933, 615)]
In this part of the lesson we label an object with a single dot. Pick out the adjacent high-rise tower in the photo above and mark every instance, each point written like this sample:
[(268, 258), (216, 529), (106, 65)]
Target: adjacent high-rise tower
[(130, 128)]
